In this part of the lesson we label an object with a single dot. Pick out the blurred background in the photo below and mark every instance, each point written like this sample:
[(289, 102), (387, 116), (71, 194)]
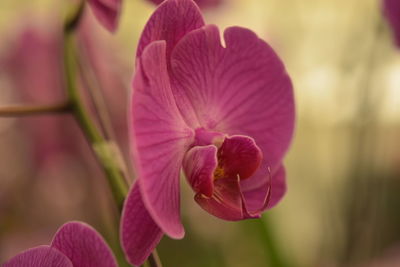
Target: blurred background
[(343, 169)]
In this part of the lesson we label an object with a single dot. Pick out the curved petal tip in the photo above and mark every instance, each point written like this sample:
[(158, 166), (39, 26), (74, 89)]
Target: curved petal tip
[(139, 233)]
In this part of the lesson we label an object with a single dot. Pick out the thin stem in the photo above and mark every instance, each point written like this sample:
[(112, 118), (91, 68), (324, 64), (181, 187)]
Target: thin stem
[(73, 20), (154, 260), (91, 83), (100, 146), (273, 252), (14, 111), (95, 91)]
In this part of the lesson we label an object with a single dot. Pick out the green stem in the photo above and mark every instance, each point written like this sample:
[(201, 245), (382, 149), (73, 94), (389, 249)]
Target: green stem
[(100, 145), (273, 252)]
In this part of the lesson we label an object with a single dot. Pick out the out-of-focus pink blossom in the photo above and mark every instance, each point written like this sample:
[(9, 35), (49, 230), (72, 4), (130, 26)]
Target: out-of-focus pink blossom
[(107, 12), (74, 244), (34, 66), (392, 12), (223, 114)]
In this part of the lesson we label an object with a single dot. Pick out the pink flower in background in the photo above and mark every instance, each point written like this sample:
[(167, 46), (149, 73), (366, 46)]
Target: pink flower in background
[(222, 113), (392, 13), (41, 84), (107, 12), (75, 244), (201, 3)]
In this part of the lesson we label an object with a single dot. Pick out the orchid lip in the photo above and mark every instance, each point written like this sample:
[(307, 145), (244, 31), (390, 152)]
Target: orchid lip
[(221, 157), (215, 174)]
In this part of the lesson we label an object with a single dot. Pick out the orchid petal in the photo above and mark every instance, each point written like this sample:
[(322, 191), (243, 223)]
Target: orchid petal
[(42, 256), (278, 186), (83, 246), (107, 12), (172, 20), (160, 138), (274, 190), (242, 89), (240, 155), (139, 233), (199, 164), (392, 13), (226, 202), (218, 190)]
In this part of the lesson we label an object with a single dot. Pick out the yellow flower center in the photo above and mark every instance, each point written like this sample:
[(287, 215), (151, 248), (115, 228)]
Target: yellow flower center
[(219, 173)]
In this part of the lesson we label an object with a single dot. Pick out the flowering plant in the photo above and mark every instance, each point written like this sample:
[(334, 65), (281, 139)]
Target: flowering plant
[(225, 115)]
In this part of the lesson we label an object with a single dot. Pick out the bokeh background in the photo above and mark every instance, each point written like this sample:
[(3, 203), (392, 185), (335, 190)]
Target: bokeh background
[(343, 169)]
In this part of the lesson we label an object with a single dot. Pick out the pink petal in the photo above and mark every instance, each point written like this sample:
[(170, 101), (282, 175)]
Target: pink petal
[(220, 193), (170, 22), (83, 246), (239, 155), (42, 256), (199, 164), (255, 198), (201, 3), (226, 202), (160, 139), (107, 12), (242, 89), (392, 13), (139, 233)]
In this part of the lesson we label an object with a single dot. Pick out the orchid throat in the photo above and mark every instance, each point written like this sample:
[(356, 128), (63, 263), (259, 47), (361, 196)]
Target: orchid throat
[(216, 156)]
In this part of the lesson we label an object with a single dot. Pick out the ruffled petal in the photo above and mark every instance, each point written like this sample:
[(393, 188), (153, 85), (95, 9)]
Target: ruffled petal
[(226, 202), (391, 9), (215, 175), (219, 197), (83, 245), (239, 155), (42, 256), (139, 233), (172, 20), (160, 139), (107, 12), (199, 165), (240, 89)]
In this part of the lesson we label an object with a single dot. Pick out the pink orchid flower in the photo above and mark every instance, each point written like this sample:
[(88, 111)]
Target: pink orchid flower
[(392, 12), (75, 244), (222, 113), (201, 3), (107, 12)]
